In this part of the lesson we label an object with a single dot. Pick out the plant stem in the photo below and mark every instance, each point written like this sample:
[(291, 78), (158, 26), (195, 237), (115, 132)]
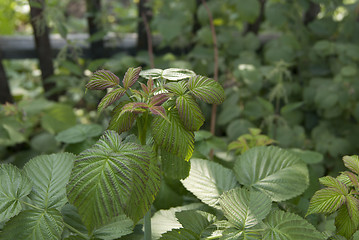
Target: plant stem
[(142, 131)]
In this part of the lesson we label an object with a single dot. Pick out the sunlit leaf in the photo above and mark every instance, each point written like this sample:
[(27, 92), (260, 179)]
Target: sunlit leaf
[(14, 186), (329, 181), (352, 162), (326, 200), (131, 77), (189, 112), (206, 89), (102, 79), (176, 74), (111, 97), (151, 73), (106, 177), (208, 181), (172, 136), (277, 172), (243, 208)]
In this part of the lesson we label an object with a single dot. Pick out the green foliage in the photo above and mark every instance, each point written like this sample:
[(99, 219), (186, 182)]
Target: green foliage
[(340, 195)]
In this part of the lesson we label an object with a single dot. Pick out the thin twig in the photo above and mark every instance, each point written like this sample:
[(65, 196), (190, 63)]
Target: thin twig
[(149, 39)]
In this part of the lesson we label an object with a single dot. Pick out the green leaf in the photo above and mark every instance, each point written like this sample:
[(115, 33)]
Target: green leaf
[(131, 77), (58, 118), (140, 201), (36, 224), (159, 99), (49, 174), (307, 156), (178, 88), (180, 234), (121, 121), (14, 186), (352, 163), (246, 234), (108, 176), (344, 224), (189, 112), (159, 111), (243, 208), (326, 200), (352, 204), (111, 97), (196, 221), (206, 89), (208, 180), (329, 181), (79, 133), (248, 10), (172, 136), (173, 166), (289, 226), (276, 172), (119, 226), (176, 74), (165, 220), (102, 79), (72, 218)]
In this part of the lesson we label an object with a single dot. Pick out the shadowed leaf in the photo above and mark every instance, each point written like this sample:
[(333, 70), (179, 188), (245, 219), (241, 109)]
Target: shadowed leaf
[(121, 122)]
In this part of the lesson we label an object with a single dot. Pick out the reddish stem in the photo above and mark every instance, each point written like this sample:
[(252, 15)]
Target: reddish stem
[(149, 40)]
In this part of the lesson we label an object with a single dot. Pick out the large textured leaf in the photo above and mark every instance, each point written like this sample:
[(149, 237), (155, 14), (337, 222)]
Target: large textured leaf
[(72, 218), (131, 77), (121, 121), (176, 74), (172, 136), (329, 181), (173, 166), (49, 174), (289, 226), (36, 224), (111, 97), (189, 112), (243, 208), (165, 220), (326, 200), (79, 133), (102, 79), (275, 171), (140, 202), (246, 234), (206, 89), (119, 226), (14, 186), (196, 221), (106, 177), (352, 162), (208, 180)]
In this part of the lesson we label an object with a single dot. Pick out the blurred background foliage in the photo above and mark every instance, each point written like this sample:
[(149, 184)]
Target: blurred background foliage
[(289, 68)]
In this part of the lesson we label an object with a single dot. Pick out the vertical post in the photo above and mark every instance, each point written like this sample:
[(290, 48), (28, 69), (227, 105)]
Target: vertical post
[(254, 27), (5, 94), (144, 12), (43, 47), (96, 46), (312, 12)]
